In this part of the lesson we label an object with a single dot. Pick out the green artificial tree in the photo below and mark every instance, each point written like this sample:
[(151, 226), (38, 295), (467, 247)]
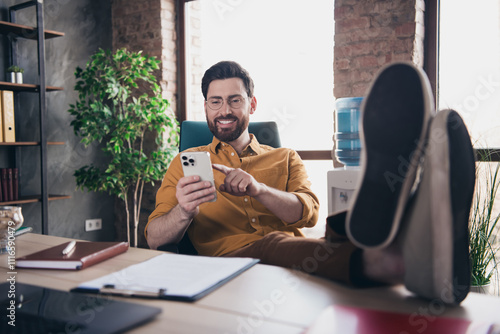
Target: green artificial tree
[(119, 102)]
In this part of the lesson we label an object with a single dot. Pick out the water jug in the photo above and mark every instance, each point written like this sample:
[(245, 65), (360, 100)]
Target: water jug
[(347, 142)]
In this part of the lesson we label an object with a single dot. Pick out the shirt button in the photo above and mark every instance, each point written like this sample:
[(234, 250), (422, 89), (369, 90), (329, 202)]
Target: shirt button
[(232, 154), (245, 199), (253, 220)]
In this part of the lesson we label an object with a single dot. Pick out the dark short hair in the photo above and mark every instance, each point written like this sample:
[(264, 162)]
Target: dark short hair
[(226, 70)]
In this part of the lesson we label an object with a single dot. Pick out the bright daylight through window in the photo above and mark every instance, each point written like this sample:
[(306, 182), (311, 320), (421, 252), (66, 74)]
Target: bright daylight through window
[(469, 66), (287, 47)]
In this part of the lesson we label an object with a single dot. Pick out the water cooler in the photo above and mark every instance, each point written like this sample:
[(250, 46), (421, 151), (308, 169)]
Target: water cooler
[(343, 181)]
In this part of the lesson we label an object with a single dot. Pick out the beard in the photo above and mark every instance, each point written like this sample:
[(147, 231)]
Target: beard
[(227, 135)]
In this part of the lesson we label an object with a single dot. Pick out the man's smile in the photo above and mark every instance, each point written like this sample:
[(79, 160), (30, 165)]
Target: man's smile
[(224, 123)]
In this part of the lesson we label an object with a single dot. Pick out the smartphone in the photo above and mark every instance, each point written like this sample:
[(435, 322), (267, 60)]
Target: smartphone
[(198, 163)]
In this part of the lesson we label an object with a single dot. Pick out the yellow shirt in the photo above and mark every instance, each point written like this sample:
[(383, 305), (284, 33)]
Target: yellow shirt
[(232, 222)]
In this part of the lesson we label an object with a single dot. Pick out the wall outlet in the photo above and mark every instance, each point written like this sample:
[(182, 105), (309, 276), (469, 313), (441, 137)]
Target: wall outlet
[(93, 224)]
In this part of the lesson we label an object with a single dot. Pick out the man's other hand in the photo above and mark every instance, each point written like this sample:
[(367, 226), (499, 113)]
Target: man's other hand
[(191, 192)]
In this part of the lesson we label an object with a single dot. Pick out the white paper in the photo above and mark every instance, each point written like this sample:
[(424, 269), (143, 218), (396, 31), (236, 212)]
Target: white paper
[(180, 275)]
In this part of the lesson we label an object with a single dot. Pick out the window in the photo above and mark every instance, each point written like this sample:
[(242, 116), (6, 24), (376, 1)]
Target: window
[(469, 66), (287, 47)]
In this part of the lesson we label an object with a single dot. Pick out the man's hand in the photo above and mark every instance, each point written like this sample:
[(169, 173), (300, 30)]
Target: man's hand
[(285, 206), (191, 192), (238, 182)]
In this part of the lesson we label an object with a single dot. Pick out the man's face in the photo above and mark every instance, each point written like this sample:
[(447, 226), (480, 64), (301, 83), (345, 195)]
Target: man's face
[(230, 120)]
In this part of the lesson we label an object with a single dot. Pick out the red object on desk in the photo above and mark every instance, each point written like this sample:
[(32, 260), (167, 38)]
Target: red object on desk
[(355, 320)]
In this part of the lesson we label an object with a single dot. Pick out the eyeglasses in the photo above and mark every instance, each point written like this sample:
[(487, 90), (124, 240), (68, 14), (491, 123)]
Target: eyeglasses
[(235, 102)]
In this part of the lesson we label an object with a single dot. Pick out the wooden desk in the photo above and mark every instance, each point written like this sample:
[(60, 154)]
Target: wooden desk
[(264, 299)]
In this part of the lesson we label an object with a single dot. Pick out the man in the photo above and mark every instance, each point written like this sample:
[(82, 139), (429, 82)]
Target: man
[(264, 197)]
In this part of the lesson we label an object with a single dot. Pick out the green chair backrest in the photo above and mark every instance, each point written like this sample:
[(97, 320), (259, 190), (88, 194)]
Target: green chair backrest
[(197, 133)]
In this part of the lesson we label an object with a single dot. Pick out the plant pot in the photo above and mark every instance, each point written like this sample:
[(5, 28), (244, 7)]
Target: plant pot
[(12, 77), (19, 78), (484, 289)]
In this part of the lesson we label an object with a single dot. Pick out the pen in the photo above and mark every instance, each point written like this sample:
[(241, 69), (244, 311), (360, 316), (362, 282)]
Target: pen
[(69, 248), (23, 230)]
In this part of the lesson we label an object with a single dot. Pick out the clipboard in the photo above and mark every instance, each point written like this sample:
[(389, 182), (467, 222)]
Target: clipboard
[(170, 276)]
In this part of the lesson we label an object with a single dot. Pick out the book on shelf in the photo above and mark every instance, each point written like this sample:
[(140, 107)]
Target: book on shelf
[(8, 123), (1, 118), (10, 184), (5, 184), (15, 183), (82, 255)]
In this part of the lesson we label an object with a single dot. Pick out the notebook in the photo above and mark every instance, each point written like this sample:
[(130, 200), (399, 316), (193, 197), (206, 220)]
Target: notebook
[(83, 255), (33, 309), (170, 276)]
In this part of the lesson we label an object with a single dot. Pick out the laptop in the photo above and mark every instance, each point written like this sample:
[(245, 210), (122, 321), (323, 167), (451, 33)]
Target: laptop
[(34, 309)]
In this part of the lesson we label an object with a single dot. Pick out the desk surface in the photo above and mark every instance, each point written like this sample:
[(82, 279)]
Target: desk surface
[(264, 299)]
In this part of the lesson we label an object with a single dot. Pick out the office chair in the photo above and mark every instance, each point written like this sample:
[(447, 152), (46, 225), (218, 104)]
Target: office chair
[(197, 133)]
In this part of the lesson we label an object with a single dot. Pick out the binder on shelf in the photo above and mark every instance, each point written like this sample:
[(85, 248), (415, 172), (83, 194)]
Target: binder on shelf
[(9, 131), (1, 189)]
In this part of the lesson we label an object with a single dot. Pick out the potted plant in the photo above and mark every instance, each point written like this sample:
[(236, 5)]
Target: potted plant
[(483, 228), (16, 74), (119, 102)]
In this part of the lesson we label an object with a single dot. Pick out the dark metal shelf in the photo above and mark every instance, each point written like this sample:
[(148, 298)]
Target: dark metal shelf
[(23, 31), (34, 199), (30, 143), (25, 87)]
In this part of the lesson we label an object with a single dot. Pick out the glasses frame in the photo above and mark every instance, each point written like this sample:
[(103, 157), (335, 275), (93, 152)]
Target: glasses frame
[(228, 101)]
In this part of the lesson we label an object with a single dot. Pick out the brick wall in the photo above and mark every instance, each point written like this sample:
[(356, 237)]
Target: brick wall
[(370, 34), (149, 25)]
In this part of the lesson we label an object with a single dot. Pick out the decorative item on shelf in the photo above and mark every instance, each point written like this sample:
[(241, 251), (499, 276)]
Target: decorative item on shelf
[(484, 237), (120, 103), (16, 74), (11, 219)]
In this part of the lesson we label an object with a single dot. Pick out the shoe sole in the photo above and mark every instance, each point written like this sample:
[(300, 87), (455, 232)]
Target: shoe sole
[(435, 239), (395, 116)]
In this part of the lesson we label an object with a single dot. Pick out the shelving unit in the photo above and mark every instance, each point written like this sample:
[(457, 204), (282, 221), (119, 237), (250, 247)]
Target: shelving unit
[(15, 31)]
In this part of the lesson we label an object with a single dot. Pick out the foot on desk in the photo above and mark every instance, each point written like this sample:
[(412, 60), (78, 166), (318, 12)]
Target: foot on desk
[(421, 217), (395, 116), (433, 240), (434, 237)]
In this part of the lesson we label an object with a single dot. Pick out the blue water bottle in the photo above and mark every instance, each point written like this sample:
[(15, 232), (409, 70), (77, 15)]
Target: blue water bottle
[(347, 142)]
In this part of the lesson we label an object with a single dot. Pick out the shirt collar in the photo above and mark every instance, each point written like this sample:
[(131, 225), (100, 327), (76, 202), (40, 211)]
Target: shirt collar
[(254, 146)]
